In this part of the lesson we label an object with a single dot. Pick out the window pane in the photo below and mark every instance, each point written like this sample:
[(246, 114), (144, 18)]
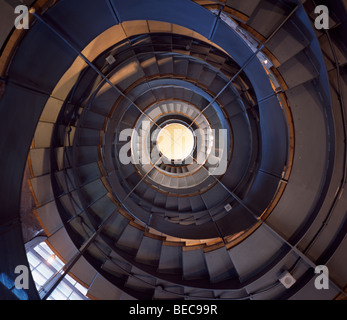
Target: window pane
[(33, 261), (42, 253), (44, 265), (46, 247), (75, 296), (64, 288), (82, 289), (57, 295), (45, 271), (38, 278), (71, 280), (56, 263)]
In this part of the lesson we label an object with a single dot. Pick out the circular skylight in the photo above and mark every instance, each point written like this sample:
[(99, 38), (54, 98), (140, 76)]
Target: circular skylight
[(175, 141)]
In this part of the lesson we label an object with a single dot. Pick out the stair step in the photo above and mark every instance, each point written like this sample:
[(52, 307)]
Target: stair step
[(186, 220), (88, 137), (103, 289), (267, 16), (170, 292), (261, 246), (42, 188), (82, 227), (115, 226), (194, 70), (141, 283), (149, 64), (165, 64), (245, 7), (172, 203), (102, 208), (92, 120), (40, 161), (160, 200), (93, 191), (218, 84), (149, 251), (88, 173), (219, 265), (150, 194), (43, 135), (180, 66), (298, 70), (124, 76), (196, 203), (184, 204), (194, 294), (49, 216), (170, 260), (202, 218), (86, 155), (288, 41), (71, 203), (194, 265), (214, 196), (104, 100), (117, 267), (130, 239)]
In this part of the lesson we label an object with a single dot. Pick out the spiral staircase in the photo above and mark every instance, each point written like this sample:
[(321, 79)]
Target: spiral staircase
[(262, 91)]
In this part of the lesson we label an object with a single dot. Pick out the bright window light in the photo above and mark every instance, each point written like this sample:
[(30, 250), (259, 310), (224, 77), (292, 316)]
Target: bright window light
[(44, 265)]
